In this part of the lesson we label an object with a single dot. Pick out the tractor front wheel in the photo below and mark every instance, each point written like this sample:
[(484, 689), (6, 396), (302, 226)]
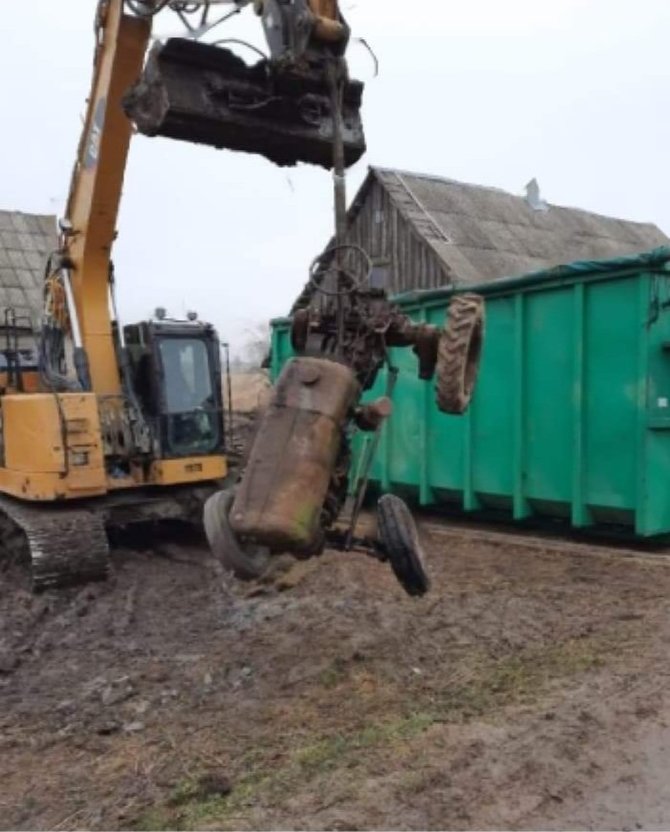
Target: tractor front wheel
[(399, 540), (246, 561)]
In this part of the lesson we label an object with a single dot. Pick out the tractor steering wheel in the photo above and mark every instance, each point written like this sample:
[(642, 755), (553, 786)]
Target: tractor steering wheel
[(357, 277)]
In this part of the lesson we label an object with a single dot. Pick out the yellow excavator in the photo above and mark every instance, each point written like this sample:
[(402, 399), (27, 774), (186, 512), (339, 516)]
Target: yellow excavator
[(115, 424)]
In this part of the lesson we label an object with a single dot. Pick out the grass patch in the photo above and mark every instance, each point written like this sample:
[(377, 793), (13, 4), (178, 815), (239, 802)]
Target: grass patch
[(518, 678), (492, 685), (330, 752), (334, 674), (190, 810), (186, 809)]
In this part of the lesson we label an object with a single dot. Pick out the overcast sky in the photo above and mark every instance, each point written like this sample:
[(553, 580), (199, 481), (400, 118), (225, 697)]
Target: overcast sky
[(494, 92)]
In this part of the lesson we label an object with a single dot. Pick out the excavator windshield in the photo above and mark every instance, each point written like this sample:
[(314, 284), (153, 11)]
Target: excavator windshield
[(190, 414), (176, 374), (188, 381)]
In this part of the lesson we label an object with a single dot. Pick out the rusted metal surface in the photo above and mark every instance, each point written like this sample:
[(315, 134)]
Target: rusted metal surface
[(281, 497), (296, 480), (206, 94), (371, 416), (371, 324)]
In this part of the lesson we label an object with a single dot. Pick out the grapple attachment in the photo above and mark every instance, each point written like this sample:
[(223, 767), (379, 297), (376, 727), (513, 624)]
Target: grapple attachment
[(208, 95)]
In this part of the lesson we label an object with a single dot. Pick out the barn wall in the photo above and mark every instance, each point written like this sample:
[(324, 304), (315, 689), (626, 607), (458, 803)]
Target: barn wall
[(381, 230)]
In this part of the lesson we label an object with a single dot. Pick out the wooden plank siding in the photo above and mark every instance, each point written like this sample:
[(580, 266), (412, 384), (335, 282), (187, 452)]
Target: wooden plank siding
[(379, 227)]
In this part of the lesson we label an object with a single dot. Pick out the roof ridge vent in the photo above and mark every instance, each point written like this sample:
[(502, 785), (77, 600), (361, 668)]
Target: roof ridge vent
[(533, 197)]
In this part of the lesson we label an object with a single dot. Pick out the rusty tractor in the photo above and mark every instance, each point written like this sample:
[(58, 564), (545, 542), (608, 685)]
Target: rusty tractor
[(291, 493)]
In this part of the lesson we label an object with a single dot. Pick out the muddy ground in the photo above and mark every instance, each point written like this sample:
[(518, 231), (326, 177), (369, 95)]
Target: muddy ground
[(528, 690)]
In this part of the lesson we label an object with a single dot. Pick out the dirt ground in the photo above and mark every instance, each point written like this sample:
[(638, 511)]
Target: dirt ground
[(527, 690)]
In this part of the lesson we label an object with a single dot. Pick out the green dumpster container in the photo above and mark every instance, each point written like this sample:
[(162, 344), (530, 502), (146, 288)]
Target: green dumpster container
[(571, 416)]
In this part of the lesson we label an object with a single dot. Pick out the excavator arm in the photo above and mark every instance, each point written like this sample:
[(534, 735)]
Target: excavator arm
[(195, 92), (291, 28), (294, 29)]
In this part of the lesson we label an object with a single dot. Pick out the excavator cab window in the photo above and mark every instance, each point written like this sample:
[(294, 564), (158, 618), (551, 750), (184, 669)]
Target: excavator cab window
[(190, 414), (188, 385), (177, 378)]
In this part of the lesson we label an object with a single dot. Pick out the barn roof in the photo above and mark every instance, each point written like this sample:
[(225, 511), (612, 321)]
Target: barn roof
[(481, 234), (25, 242)]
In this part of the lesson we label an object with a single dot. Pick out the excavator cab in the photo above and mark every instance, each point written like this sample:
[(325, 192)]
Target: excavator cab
[(176, 375)]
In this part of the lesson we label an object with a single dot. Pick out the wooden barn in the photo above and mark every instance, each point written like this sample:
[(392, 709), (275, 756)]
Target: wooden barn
[(423, 231)]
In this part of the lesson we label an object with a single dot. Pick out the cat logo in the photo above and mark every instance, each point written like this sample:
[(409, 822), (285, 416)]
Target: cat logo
[(95, 136)]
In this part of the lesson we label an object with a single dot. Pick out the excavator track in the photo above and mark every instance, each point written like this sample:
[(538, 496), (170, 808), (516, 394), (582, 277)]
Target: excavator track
[(65, 545)]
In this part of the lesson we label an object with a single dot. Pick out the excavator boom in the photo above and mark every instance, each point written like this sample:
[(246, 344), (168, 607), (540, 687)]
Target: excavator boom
[(97, 182)]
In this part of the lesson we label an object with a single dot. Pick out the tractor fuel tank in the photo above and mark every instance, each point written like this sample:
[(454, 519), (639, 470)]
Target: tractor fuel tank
[(279, 500), (206, 94)]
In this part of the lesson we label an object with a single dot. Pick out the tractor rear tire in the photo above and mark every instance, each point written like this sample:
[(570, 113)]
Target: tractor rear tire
[(246, 561), (459, 353), (400, 541)]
